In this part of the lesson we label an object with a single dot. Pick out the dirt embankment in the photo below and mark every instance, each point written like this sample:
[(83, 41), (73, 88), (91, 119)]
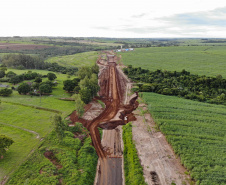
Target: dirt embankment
[(160, 164), (113, 87)]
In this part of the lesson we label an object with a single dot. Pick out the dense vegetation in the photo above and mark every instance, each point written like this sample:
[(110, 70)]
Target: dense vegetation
[(55, 48), (66, 161), (182, 84), (86, 84), (196, 132), (132, 167), (22, 61)]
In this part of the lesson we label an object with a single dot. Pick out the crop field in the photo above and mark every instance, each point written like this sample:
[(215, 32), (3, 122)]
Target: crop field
[(197, 133), (202, 60), (78, 60), (27, 119), (13, 46)]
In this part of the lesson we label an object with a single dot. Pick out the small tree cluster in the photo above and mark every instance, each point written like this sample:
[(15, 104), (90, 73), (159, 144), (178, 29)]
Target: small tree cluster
[(5, 143), (3, 69), (6, 92)]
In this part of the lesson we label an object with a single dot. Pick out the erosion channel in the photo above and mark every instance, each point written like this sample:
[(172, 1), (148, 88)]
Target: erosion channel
[(113, 87)]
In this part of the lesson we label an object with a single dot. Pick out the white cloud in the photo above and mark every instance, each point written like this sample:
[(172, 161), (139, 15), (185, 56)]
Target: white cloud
[(124, 18)]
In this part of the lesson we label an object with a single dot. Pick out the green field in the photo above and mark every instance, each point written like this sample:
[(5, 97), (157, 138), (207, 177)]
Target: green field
[(197, 133), (77, 60), (19, 122), (202, 60), (49, 101), (22, 114)]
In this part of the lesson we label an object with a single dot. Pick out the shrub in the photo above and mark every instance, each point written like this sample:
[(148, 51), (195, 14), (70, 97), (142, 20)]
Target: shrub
[(5, 92), (23, 88)]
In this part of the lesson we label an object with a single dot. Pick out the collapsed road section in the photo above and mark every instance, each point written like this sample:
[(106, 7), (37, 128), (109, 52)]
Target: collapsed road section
[(112, 92)]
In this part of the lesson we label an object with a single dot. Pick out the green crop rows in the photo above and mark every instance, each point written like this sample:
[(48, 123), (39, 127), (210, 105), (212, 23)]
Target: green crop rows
[(201, 60), (197, 133)]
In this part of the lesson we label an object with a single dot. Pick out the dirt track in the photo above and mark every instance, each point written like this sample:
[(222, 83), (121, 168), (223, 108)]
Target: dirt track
[(160, 165), (112, 92)]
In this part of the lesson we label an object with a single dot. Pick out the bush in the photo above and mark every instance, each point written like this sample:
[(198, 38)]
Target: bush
[(51, 76), (5, 92), (45, 88), (23, 88), (2, 74)]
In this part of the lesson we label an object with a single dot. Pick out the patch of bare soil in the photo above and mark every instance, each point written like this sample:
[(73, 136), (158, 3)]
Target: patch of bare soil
[(160, 164), (50, 155), (93, 111)]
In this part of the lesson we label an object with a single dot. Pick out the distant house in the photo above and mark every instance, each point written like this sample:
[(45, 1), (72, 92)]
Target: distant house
[(126, 49)]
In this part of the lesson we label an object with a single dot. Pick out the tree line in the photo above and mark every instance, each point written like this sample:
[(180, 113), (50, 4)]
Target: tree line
[(183, 84), (35, 88), (22, 61)]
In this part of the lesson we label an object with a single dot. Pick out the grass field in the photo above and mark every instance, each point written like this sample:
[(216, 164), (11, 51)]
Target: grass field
[(77, 60), (19, 117), (26, 126), (202, 60), (197, 133), (49, 101)]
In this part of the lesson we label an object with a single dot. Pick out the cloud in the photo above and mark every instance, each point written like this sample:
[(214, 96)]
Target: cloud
[(215, 17), (139, 16), (195, 24), (101, 27)]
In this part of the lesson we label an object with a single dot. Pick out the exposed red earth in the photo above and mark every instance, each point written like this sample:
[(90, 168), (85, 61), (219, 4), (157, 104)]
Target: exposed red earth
[(112, 92)]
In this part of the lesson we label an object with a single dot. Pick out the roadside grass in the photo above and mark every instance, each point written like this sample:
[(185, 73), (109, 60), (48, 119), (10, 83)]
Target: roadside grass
[(202, 60), (77, 60), (74, 162), (197, 133), (132, 166)]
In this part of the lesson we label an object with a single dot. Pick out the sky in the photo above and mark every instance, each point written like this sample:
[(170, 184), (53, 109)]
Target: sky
[(118, 19)]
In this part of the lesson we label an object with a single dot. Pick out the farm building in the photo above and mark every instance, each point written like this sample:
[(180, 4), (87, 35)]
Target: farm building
[(125, 50)]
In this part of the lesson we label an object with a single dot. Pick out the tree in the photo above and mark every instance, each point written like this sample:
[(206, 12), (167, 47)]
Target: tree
[(5, 143), (3, 68), (79, 105), (51, 76), (10, 74), (86, 95), (38, 79), (77, 89), (84, 71), (23, 88), (59, 126), (94, 85), (45, 88), (84, 83), (5, 92), (2, 73), (69, 85), (15, 79), (95, 69)]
